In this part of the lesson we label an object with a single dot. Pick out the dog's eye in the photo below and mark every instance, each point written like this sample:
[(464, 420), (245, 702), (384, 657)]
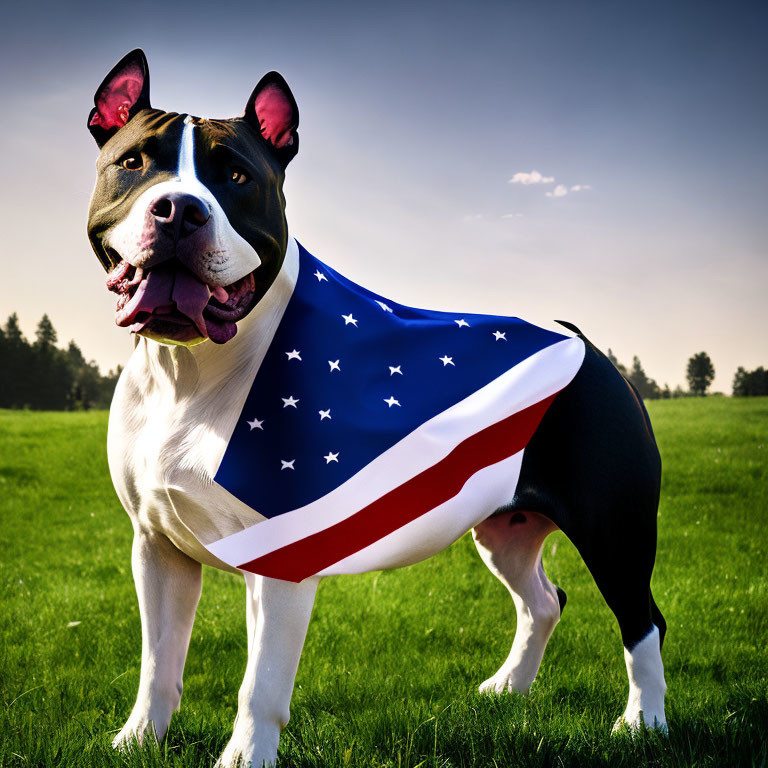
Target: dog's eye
[(239, 176), (131, 162)]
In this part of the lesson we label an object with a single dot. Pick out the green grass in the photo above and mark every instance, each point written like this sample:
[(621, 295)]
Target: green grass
[(392, 659)]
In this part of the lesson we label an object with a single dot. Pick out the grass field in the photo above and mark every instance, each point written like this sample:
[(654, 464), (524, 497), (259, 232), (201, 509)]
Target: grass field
[(392, 659)]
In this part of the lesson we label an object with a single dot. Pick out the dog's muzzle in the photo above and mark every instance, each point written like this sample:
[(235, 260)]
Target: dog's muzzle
[(160, 295)]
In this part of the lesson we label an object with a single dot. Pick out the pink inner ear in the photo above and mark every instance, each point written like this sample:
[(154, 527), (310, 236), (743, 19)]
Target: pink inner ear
[(275, 115), (117, 97)]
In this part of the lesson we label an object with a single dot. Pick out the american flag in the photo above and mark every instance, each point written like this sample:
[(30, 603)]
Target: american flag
[(376, 434)]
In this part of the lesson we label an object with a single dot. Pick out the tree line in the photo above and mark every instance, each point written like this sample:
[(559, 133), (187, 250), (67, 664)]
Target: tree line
[(41, 376), (700, 373)]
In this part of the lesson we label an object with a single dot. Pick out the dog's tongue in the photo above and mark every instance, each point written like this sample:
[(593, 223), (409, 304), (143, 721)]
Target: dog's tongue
[(166, 289), (190, 296)]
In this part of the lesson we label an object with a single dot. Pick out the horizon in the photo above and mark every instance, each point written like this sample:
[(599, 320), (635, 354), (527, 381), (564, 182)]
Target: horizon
[(595, 163)]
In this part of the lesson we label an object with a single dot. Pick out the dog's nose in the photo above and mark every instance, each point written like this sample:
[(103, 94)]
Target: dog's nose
[(180, 214)]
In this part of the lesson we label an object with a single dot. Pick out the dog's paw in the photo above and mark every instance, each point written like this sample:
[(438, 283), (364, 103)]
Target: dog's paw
[(244, 753), (133, 733), (505, 682), (141, 726), (232, 757), (635, 721)]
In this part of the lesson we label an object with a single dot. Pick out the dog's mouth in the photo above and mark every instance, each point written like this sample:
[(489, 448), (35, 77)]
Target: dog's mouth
[(170, 303)]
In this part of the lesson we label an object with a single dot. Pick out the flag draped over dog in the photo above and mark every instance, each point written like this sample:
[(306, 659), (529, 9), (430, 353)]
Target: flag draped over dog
[(375, 434)]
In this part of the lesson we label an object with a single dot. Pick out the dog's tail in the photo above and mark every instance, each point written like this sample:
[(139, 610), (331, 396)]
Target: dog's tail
[(577, 331)]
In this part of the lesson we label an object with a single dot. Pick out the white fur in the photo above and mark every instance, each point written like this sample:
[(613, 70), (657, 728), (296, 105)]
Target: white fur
[(646, 685), (227, 256), (513, 555), (278, 614)]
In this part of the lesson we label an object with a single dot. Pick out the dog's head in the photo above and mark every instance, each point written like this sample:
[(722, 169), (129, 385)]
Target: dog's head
[(188, 215)]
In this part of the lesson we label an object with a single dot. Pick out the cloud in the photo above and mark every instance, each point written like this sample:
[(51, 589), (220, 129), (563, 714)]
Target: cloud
[(512, 216), (559, 191), (580, 188), (472, 217), (534, 177)]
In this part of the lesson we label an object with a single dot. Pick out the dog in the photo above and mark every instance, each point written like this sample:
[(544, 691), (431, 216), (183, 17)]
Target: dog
[(188, 219)]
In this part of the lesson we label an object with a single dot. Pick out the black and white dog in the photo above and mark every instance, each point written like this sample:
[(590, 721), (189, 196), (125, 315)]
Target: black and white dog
[(188, 218)]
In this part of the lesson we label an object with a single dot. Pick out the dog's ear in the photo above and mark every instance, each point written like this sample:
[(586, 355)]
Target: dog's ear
[(122, 93), (272, 110)]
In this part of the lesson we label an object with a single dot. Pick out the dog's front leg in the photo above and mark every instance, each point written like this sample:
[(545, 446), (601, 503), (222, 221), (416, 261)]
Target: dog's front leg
[(168, 586), (278, 615)]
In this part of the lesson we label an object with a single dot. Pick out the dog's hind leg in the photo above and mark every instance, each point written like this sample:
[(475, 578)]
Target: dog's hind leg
[(277, 618), (621, 563), (168, 586), (510, 545)]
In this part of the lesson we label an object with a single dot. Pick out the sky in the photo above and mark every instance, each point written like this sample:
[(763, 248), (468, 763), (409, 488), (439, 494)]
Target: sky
[(598, 162)]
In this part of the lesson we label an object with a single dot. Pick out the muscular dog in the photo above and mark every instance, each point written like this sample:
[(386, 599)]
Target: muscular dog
[(188, 218)]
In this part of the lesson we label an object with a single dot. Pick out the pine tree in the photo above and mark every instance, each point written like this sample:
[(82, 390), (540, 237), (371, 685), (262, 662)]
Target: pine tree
[(45, 335), (13, 332), (17, 366), (51, 386), (647, 387), (622, 369)]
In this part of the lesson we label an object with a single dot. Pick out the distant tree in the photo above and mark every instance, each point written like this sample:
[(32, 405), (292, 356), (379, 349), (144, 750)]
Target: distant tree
[(622, 369), (45, 336), (700, 373), (51, 385), (647, 387), (666, 393), (13, 332), (750, 383), (74, 355), (89, 388), (16, 370)]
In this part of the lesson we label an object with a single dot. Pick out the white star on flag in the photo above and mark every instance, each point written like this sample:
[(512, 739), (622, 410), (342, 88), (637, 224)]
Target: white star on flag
[(447, 361), (349, 319), (393, 369), (294, 355), (462, 323), (287, 464), (334, 365), (500, 335), (290, 400), (390, 401), (331, 457), (255, 424), (320, 276), (325, 414), (384, 306)]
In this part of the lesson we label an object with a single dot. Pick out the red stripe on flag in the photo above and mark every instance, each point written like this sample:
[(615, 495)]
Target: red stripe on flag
[(401, 505)]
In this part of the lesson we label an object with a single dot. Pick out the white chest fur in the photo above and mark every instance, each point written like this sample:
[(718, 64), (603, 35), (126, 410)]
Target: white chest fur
[(173, 413)]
